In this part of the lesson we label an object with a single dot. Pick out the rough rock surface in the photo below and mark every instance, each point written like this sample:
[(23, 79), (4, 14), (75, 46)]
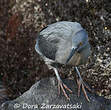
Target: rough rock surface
[(44, 95)]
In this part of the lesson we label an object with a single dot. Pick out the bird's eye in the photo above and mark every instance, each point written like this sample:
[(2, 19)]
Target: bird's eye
[(80, 43)]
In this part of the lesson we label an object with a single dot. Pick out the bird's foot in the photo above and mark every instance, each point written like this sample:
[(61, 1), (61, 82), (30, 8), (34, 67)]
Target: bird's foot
[(81, 83), (62, 86)]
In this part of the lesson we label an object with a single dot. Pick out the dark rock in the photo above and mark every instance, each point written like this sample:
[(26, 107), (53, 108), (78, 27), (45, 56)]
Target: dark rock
[(45, 94)]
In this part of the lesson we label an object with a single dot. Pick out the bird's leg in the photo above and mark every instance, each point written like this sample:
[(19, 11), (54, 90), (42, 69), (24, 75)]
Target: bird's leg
[(61, 84), (81, 83)]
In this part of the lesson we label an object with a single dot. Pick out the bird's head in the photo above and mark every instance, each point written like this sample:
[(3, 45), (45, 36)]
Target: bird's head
[(79, 40)]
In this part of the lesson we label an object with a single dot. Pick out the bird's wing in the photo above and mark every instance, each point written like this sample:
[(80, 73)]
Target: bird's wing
[(50, 38), (47, 48), (54, 39)]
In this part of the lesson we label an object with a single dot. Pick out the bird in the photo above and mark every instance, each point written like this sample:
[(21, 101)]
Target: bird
[(65, 43)]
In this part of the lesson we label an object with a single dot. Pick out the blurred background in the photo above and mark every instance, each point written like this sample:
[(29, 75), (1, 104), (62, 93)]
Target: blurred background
[(21, 20)]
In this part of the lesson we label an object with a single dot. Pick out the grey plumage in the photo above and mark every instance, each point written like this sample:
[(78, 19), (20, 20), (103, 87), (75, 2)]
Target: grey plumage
[(57, 40), (65, 43), (48, 48)]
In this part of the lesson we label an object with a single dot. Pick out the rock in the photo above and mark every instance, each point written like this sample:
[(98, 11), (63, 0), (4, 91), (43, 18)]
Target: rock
[(44, 95)]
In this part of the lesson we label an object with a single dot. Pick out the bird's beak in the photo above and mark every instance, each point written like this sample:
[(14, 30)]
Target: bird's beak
[(71, 54)]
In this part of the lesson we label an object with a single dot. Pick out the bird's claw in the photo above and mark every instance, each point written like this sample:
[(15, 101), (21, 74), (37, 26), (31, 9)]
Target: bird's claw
[(81, 83), (62, 86)]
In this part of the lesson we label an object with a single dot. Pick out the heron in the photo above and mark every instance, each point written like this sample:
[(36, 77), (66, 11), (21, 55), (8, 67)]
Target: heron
[(64, 43)]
